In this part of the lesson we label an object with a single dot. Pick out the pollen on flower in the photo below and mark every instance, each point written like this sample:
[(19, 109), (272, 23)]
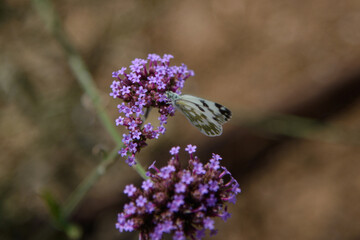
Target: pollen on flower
[(143, 88), (179, 202)]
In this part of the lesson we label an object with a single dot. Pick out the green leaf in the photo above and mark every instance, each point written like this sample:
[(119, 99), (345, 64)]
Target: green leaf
[(53, 206)]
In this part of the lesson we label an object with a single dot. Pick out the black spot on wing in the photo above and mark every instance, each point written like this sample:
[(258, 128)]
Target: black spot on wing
[(204, 103), (224, 111), (200, 108)]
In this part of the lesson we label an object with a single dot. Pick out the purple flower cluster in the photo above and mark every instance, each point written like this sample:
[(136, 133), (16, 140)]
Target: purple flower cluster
[(144, 87), (180, 202)]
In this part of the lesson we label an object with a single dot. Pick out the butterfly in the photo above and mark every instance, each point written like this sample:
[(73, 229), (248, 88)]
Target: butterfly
[(206, 115)]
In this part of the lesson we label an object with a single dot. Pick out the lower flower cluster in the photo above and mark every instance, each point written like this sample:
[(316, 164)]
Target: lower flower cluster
[(180, 202)]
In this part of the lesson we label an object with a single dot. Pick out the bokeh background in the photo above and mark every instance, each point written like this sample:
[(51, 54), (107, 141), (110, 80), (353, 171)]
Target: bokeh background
[(300, 179)]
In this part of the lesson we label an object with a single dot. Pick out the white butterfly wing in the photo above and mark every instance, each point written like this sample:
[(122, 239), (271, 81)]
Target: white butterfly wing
[(206, 115)]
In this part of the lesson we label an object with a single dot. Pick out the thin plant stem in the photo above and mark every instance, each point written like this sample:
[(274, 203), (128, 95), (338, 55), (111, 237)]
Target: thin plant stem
[(79, 69), (48, 14), (79, 193)]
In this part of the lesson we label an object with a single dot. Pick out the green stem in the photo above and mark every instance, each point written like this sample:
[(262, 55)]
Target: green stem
[(79, 69), (83, 76), (79, 193)]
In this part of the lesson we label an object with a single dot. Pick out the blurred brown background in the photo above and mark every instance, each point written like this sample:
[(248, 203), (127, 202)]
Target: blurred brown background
[(295, 57)]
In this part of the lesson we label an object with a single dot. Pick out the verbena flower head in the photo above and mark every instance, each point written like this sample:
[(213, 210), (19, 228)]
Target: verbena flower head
[(140, 89), (180, 202)]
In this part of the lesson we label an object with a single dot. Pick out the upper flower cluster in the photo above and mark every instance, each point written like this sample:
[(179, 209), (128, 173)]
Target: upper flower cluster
[(142, 88), (181, 202)]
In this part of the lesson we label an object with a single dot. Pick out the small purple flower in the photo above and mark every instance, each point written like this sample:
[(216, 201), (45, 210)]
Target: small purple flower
[(172, 71), (132, 147), (161, 129), (180, 187), (119, 121), (125, 90), (141, 201), (174, 150), (190, 148), (147, 184), (170, 109), (203, 189), (166, 171), (129, 208), (163, 99), (119, 72), (211, 201), (115, 93), (232, 199), (126, 138), (132, 125), (167, 226), (129, 226), (121, 107), (153, 57), (150, 207), (130, 190), (213, 185), (225, 216), (214, 164), (155, 135), (216, 157), (209, 223), (121, 218), (115, 74), (187, 178), (123, 152), (135, 78), (166, 58), (136, 135), (198, 168), (153, 79), (131, 160), (137, 66), (122, 71), (141, 91), (162, 119), (148, 127), (115, 84), (176, 203), (160, 71), (161, 85)]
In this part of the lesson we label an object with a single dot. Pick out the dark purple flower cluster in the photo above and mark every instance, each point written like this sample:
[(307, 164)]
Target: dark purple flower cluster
[(144, 87), (180, 202)]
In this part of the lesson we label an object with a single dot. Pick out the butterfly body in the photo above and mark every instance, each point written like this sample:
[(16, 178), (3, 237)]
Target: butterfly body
[(205, 115)]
